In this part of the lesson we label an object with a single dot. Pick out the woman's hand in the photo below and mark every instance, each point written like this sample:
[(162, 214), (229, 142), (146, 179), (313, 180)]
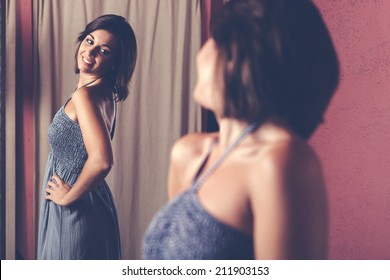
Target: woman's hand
[(57, 190)]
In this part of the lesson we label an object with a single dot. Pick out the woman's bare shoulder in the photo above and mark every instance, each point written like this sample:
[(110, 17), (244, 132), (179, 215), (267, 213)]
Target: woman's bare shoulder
[(91, 99), (186, 156), (287, 193), (287, 162), (191, 145), (290, 152), (85, 96)]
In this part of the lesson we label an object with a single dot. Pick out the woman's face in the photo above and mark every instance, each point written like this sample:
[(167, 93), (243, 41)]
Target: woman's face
[(97, 53), (207, 91)]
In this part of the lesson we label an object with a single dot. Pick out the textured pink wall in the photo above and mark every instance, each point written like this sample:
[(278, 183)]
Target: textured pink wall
[(354, 142)]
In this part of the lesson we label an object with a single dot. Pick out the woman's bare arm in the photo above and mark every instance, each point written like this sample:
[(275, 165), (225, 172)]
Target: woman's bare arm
[(98, 145)]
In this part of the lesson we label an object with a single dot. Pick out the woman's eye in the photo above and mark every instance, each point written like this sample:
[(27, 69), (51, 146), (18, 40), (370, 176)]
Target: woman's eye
[(104, 52), (89, 41)]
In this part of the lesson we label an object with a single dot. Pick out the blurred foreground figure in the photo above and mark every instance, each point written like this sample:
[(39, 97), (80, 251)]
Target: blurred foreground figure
[(255, 188)]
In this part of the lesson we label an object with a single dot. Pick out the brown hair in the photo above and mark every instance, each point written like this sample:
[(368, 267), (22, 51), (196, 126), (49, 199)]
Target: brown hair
[(277, 58)]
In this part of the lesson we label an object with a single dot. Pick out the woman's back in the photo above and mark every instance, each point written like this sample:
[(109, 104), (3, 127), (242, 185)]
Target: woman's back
[(244, 195)]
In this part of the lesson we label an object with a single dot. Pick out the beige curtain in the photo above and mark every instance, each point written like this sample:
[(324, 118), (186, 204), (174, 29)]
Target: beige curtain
[(158, 111), (10, 140)]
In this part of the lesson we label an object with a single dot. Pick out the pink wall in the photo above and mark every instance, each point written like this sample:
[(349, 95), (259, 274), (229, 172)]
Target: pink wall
[(354, 142)]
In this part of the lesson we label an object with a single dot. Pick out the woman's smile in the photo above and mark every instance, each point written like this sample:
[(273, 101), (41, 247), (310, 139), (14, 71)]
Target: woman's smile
[(87, 61)]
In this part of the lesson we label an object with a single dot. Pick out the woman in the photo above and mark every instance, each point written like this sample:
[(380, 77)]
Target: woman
[(78, 218), (254, 189)]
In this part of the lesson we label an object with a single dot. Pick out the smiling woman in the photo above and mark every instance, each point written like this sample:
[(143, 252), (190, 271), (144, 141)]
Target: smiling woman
[(94, 53), (78, 217)]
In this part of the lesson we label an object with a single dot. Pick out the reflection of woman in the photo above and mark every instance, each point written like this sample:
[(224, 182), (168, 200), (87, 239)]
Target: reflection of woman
[(254, 189), (78, 217)]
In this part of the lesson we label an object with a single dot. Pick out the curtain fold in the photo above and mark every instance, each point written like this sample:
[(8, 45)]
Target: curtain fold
[(10, 131), (158, 111)]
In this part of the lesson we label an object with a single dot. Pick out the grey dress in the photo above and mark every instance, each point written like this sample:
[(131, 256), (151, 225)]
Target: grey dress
[(88, 228)]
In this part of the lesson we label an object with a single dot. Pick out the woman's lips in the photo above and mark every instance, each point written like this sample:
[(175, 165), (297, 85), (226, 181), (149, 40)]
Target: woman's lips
[(87, 61)]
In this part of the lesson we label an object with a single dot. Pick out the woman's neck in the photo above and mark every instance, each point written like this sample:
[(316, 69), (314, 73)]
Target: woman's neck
[(229, 130), (87, 80), (272, 129)]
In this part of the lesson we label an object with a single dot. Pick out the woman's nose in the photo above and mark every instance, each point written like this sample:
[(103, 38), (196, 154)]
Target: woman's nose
[(92, 51)]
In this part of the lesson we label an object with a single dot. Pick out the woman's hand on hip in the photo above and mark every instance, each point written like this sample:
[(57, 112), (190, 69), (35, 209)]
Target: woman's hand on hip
[(56, 190)]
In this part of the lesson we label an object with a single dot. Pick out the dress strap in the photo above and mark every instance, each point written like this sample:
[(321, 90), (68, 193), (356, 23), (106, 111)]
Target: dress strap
[(199, 180), (87, 84), (67, 101), (201, 167)]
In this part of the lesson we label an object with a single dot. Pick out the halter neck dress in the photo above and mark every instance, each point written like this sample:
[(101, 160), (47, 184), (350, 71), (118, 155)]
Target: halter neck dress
[(88, 228), (183, 229)]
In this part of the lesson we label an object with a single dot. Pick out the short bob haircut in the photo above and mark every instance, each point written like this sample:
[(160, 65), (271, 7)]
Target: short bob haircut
[(277, 59), (127, 56)]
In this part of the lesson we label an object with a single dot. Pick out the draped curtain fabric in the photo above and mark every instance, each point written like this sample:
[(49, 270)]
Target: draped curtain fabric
[(10, 131), (2, 128), (158, 111)]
